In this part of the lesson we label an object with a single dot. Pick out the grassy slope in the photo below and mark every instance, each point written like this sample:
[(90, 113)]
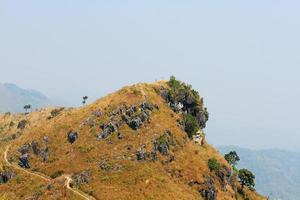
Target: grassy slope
[(24, 186), (135, 179)]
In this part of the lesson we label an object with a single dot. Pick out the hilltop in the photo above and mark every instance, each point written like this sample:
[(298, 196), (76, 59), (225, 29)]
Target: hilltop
[(13, 98), (144, 141)]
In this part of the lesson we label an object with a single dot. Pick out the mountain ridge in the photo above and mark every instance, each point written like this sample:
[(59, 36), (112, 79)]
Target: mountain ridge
[(277, 170), (13, 98)]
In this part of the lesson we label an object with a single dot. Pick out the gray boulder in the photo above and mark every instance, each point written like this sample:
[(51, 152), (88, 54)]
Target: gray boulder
[(24, 161), (72, 136), (141, 154), (5, 176), (135, 123)]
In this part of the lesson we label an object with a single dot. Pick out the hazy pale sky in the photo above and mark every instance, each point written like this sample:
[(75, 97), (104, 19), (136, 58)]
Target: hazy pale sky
[(242, 56)]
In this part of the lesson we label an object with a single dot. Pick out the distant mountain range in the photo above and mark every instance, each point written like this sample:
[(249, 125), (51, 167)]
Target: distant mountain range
[(277, 171), (13, 98)]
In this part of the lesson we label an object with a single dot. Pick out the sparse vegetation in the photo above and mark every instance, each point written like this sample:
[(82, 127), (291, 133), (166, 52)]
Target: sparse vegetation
[(213, 164), (57, 174)]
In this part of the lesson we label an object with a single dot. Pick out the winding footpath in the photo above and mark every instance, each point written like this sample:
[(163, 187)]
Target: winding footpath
[(47, 178)]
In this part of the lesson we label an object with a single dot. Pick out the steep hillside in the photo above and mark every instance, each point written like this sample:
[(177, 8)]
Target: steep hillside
[(277, 171), (133, 144), (13, 98)]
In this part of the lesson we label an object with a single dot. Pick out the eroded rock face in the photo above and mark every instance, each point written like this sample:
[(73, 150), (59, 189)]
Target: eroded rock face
[(72, 136)]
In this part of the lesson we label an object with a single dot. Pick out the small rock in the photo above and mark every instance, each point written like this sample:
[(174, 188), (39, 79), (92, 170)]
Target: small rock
[(24, 161), (120, 136), (72, 136)]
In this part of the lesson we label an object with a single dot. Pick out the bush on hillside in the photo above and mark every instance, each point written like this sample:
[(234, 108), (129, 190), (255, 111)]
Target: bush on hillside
[(191, 125), (213, 164), (183, 98)]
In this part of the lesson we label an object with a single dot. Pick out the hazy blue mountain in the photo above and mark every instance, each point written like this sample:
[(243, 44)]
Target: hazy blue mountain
[(277, 171), (13, 98)]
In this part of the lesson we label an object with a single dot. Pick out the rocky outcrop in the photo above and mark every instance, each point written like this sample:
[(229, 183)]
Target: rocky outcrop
[(22, 124), (80, 178), (209, 191), (133, 116)]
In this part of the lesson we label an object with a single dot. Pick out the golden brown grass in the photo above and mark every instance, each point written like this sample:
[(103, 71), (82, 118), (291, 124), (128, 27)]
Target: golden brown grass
[(136, 179)]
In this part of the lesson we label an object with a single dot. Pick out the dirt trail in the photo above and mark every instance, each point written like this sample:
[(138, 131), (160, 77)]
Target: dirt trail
[(47, 178)]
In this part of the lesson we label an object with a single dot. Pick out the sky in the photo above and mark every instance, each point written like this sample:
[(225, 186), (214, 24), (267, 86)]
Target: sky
[(242, 56)]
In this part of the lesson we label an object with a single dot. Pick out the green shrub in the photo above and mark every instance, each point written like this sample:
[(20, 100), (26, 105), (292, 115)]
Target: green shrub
[(182, 98), (213, 164), (191, 125)]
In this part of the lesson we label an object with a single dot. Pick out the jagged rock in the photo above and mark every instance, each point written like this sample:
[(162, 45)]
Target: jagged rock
[(80, 178), (22, 124), (35, 148), (162, 144), (24, 148), (120, 136), (135, 123), (107, 130), (146, 106), (131, 111), (163, 148), (5, 176), (72, 136), (209, 191), (125, 118), (24, 161), (141, 154)]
